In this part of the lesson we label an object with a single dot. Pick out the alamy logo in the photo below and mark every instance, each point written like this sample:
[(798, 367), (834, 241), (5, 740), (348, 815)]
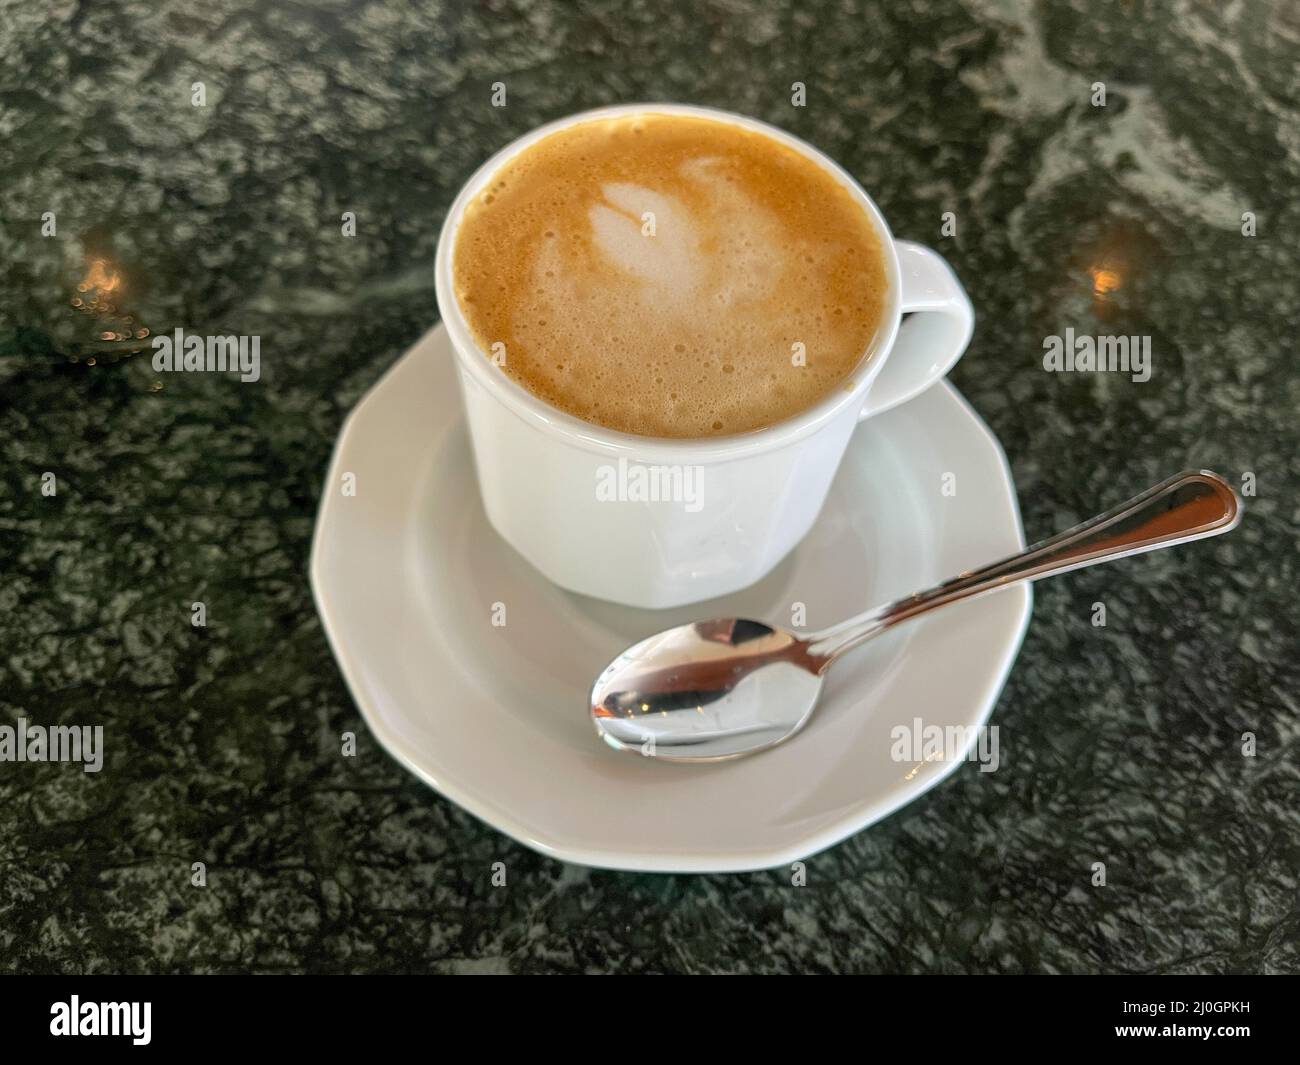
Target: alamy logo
[(57, 743), (214, 354), (102, 1018), (1071, 354), (631, 482), (919, 742)]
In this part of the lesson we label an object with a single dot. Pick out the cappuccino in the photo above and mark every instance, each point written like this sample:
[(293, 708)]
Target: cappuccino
[(671, 276)]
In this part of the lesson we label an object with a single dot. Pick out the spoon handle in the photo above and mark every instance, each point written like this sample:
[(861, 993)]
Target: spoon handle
[(1189, 506)]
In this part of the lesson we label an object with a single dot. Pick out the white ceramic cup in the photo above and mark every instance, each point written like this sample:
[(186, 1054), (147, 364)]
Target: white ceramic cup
[(654, 522)]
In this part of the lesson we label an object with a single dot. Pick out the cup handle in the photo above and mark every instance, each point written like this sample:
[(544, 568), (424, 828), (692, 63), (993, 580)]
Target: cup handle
[(930, 342)]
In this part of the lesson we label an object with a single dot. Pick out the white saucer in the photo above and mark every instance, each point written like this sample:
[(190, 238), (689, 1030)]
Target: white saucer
[(406, 573)]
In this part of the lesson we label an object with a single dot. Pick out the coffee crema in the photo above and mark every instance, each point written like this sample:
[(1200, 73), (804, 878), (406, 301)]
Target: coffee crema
[(671, 276)]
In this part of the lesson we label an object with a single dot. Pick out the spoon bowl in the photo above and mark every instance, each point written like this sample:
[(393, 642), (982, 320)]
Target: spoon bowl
[(707, 691)]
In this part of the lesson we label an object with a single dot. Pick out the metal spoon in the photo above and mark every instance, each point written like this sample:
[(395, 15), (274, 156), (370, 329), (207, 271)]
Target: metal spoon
[(714, 690)]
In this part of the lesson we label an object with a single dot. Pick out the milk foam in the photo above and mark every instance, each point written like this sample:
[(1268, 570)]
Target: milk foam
[(671, 276)]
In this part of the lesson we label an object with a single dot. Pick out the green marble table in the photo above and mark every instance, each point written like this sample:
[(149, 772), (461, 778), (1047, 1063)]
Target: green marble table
[(166, 164)]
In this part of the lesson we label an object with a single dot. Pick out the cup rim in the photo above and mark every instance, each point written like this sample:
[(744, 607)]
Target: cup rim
[(474, 360)]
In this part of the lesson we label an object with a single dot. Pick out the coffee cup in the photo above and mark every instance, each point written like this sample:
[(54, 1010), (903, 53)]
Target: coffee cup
[(660, 521)]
